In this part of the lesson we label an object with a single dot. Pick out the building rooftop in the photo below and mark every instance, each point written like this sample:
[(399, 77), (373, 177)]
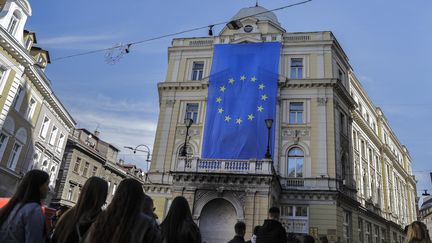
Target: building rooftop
[(263, 14)]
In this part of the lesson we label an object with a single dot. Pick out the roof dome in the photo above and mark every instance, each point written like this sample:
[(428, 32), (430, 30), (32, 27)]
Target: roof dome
[(427, 203), (268, 16)]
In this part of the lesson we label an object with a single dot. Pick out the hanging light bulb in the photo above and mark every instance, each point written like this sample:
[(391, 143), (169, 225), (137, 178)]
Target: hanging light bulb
[(210, 31)]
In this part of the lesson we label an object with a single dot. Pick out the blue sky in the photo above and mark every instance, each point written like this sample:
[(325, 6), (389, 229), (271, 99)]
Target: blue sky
[(388, 44)]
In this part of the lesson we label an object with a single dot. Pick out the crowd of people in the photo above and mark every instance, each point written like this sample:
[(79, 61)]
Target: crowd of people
[(129, 218)]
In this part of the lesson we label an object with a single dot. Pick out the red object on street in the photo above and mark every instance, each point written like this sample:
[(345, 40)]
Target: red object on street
[(48, 212)]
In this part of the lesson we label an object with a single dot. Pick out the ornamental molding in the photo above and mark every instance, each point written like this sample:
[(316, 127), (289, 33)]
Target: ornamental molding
[(183, 86), (295, 133), (228, 181)]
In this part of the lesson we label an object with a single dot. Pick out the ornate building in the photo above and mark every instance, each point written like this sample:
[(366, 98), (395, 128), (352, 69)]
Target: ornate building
[(34, 124), (338, 169)]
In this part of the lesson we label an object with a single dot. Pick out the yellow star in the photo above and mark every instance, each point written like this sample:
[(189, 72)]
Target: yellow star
[(222, 88), (242, 78), (264, 97), (250, 117), (253, 79), (260, 108), (218, 100), (261, 86), (220, 110), (231, 81), (238, 121), (227, 118)]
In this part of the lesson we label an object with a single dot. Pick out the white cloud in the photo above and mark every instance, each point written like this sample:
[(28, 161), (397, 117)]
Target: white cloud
[(72, 39)]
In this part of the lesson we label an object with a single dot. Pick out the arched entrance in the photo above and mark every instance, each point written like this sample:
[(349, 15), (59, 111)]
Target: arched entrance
[(217, 221)]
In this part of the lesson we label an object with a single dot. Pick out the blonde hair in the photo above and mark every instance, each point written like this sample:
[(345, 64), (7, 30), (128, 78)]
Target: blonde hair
[(417, 233)]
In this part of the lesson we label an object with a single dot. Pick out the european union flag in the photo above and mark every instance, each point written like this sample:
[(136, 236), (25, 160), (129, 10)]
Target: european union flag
[(241, 95)]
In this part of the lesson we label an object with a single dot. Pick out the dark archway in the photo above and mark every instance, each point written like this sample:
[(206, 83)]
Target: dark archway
[(217, 221)]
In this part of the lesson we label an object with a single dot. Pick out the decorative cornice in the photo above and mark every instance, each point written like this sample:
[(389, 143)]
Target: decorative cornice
[(186, 85), (365, 128)]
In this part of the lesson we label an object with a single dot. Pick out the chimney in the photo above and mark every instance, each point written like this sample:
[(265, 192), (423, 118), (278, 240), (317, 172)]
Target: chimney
[(96, 133)]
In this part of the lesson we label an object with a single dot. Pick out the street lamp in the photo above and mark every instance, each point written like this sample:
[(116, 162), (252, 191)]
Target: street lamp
[(139, 150), (188, 122), (269, 123)]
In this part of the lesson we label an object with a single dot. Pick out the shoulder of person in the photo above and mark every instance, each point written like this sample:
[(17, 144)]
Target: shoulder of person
[(31, 208)]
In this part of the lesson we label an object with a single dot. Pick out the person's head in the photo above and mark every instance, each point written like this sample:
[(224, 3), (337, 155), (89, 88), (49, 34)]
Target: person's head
[(89, 204), (178, 213), (33, 188), (308, 239), (324, 239), (114, 223), (256, 229), (274, 213), (240, 228), (417, 231)]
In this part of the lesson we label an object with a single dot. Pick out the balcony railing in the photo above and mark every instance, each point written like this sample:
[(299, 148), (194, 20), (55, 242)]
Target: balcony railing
[(224, 166)]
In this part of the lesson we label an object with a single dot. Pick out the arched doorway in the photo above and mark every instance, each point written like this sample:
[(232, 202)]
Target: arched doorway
[(217, 221)]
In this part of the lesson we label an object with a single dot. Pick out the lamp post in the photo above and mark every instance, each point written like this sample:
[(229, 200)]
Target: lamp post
[(188, 122), (269, 123)]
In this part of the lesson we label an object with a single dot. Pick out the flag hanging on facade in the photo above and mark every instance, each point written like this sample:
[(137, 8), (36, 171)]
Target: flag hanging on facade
[(241, 95)]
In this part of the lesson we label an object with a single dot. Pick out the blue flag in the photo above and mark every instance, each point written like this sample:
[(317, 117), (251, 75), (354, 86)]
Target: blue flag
[(241, 95)]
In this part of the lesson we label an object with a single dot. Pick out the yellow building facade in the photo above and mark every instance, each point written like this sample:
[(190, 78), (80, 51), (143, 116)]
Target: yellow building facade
[(338, 169)]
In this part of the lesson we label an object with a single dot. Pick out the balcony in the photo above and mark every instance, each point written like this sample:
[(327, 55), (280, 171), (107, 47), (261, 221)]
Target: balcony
[(199, 165)]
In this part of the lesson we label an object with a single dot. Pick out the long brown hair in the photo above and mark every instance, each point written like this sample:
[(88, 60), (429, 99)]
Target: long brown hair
[(28, 191), (417, 233), (178, 214), (90, 202), (114, 224)]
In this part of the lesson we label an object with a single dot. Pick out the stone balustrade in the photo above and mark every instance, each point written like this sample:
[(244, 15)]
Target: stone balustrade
[(195, 164)]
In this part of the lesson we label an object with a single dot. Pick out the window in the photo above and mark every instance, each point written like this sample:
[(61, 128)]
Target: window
[(45, 162), (347, 227), (363, 149), (94, 171), (86, 166), (30, 109), (342, 122), (197, 70), (192, 111), (70, 192), (368, 232), (114, 189), (60, 143), (53, 176), (77, 165), (2, 75), (44, 128), (355, 142), (301, 211), (370, 157), (53, 135), (3, 143), (383, 235), (36, 158), (15, 153), (377, 234), (28, 43), (360, 229), (13, 24), (295, 162), (296, 70), (296, 112), (41, 60), (341, 75), (17, 100), (294, 211)]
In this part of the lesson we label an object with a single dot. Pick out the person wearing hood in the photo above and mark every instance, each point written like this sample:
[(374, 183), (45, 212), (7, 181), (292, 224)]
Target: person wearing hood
[(272, 230), (74, 224)]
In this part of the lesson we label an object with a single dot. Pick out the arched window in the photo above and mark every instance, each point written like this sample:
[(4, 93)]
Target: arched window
[(295, 162), (13, 24)]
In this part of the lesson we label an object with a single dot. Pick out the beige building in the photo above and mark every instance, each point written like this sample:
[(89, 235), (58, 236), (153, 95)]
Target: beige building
[(338, 168), (86, 155), (33, 122)]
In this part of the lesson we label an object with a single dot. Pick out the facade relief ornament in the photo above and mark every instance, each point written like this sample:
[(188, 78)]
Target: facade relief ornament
[(322, 101), (170, 102), (296, 133)]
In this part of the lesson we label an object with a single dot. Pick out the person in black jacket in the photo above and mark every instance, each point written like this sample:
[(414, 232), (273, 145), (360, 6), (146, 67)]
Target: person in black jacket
[(240, 231), (272, 230), (178, 226)]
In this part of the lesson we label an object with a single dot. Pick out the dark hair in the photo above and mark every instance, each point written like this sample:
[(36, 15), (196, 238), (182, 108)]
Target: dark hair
[(324, 239), (90, 202), (148, 206), (308, 239), (240, 228), (256, 229), (114, 224), (178, 214), (274, 212), (28, 191)]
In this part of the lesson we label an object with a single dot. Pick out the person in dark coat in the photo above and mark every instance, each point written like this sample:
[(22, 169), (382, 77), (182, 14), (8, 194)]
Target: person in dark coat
[(240, 231), (254, 236), (272, 230), (308, 239), (178, 226)]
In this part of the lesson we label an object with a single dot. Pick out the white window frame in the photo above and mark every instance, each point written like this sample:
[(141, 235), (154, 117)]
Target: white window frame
[(53, 135), (36, 158), (16, 103), (194, 116), (31, 108), (200, 74), (14, 155), (69, 195), (13, 23), (347, 226), (296, 159), (44, 127), (297, 75), (3, 72), (60, 143), (4, 143), (296, 113), (28, 43), (86, 168), (53, 175)]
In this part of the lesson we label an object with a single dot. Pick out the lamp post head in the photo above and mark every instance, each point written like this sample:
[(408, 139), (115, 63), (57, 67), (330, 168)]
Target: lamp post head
[(188, 122), (269, 123)]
